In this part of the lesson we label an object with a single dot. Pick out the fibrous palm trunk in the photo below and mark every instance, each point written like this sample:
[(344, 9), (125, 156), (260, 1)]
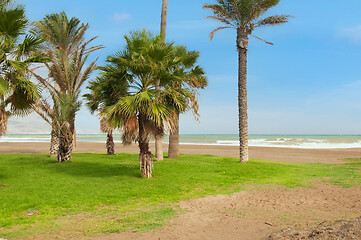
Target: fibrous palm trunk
[(242, 47), (163, 27), (145, 156), (110, 143), (173, 148), (163, 24), (3, 121), (145, 160), (54, 142), (159, 147), (65, 142)]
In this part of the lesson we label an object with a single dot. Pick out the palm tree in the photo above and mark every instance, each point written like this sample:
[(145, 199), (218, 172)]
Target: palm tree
[(105, 91), (173, 147), (63, 38), (68, 52), (17, 93), (105, 127), (145, 112), (191, 77), (163, 26), (245, 16)]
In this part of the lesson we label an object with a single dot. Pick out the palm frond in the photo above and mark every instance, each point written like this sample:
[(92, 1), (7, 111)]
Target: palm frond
[(12, 21), (24, 95), (4, 86), (273, 20), (244, 14), (262, 40), (211, 35)]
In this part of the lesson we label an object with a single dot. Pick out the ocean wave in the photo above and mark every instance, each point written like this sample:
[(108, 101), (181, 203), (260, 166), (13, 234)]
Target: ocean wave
[(24, 139), (313, 142), (292, 143)]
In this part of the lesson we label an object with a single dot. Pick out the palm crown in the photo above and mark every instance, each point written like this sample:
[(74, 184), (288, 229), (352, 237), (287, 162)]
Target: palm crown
[(16, 90), (244, 15), (60, 32), (143, 63)]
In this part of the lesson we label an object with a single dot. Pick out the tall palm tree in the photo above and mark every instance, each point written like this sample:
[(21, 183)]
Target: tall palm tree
[(62, 38), (68, 52), (163, 26), (245, 16), (17, 93), (145, 112), (185, 81)]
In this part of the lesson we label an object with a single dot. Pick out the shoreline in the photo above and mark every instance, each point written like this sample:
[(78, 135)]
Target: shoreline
[(280, 154), (275, 141)]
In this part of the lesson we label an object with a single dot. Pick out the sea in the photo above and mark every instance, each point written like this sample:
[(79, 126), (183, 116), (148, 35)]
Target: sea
[(284, 141)]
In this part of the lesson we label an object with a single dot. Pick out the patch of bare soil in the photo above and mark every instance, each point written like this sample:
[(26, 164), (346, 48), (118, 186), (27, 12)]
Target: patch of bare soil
[(259, 213), (340, 229), (323, 211)]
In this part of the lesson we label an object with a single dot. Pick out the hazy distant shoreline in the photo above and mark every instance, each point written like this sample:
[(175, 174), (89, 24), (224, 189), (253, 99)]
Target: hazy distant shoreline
[(279, 141)]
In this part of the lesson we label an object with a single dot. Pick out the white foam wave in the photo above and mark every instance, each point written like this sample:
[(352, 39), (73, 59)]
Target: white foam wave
[(287, 142), (292, 143), (24, 139)]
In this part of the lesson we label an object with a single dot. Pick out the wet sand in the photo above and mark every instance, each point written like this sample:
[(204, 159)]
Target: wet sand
[(330, 156)]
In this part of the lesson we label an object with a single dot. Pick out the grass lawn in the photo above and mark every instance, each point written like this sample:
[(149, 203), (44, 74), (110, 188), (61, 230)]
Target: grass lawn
[(96, 193)]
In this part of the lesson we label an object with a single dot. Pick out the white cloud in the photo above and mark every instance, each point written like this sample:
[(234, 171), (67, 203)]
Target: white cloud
[(353, 34), (353, 84), (32, 124), (120, 17)]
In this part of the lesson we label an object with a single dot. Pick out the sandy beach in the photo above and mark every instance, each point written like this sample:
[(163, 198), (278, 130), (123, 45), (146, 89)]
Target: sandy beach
[(330, 156)]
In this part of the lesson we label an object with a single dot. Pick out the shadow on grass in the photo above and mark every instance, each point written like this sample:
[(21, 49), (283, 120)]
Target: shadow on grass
[(90, 166)]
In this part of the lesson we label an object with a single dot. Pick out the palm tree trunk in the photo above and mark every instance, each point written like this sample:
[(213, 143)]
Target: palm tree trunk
[(159, 147), (173, 148), (145, 156), (3, 121), (72, 128), (242, 47), (145, 160), (54, 143), (65, 143), (163, 26), (110, 143)]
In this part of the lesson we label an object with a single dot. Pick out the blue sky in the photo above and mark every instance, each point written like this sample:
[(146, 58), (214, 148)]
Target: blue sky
[(309, 82)]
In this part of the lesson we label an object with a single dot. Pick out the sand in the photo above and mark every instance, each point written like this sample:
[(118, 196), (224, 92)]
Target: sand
[(269, 212), (330, 156), (256, 214)]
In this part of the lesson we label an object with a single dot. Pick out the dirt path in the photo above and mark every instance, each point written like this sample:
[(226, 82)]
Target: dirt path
[(255, 214)]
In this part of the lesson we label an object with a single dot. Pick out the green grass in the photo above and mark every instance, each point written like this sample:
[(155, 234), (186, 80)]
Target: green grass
[(108, 190)]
